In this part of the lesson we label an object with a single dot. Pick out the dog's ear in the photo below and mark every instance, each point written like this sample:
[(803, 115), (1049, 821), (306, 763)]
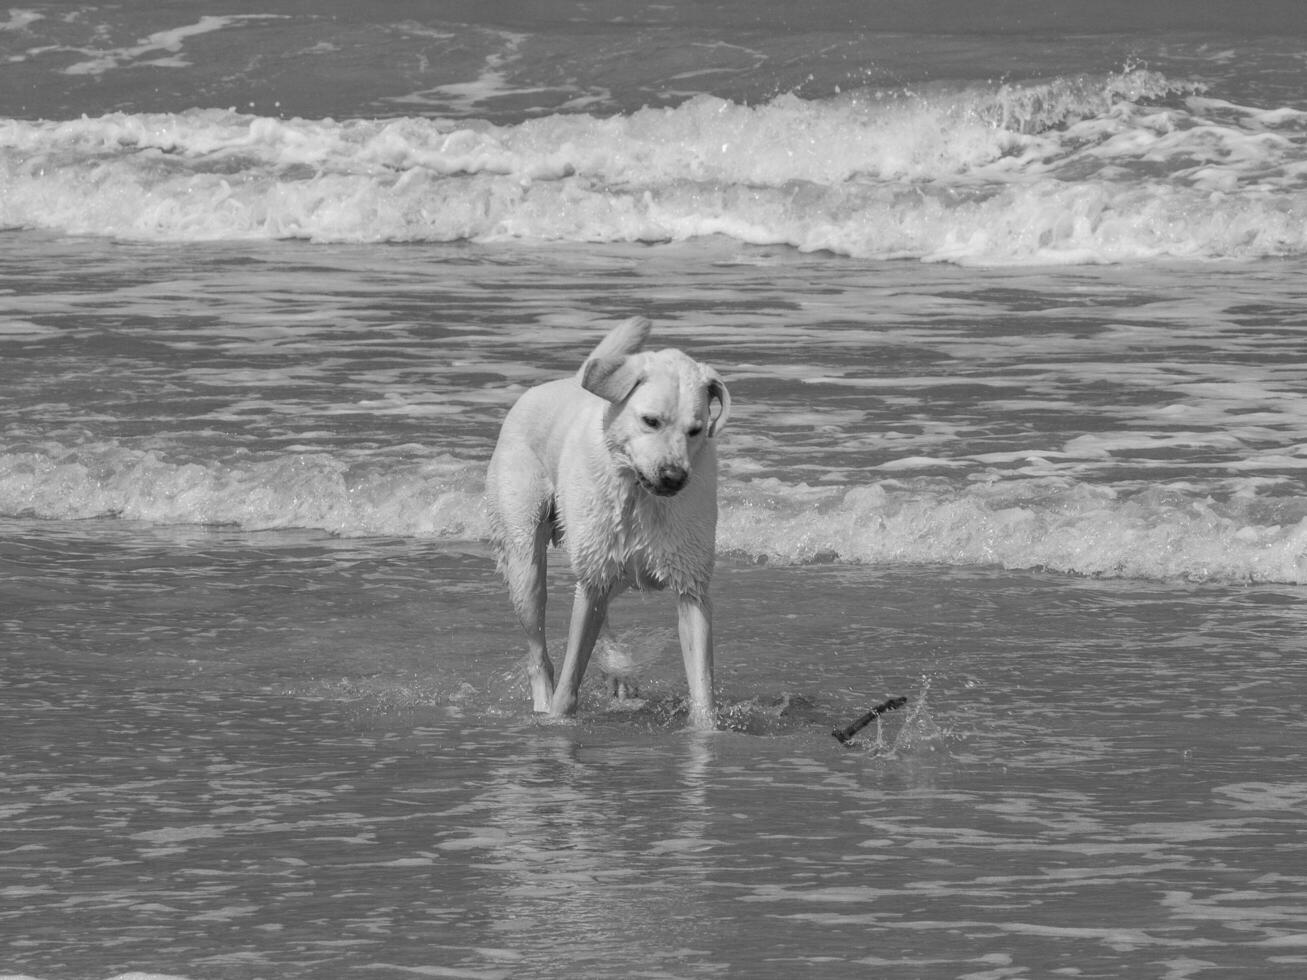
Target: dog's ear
[(717, 390), (626, 338), (612, 378), (612, 371)]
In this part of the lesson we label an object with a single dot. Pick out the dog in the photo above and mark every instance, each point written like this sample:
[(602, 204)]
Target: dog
[(618, 464)]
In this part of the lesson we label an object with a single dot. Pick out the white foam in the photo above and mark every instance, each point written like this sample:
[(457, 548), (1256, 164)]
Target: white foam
[(169, 42), (438, 497), (1064, 172), (1054, 524), (20, 19), (466, 97), (1167, 532)]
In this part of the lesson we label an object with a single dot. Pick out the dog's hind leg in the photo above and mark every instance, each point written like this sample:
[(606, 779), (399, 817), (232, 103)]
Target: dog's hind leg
[(520, 506), (589, 610), (527, 584), (616, 664), (522, 533)]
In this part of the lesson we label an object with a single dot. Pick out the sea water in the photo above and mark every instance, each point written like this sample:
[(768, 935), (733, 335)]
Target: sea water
[(1010, 309)]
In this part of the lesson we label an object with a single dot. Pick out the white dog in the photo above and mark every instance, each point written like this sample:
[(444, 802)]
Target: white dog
[(619, 465)]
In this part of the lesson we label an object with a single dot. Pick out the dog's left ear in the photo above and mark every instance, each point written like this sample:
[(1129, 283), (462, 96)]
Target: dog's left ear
[(611, 378), (717, 390)]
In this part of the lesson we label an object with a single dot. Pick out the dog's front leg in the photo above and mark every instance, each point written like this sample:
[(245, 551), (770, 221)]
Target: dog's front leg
[(589, 609), (694, 620)]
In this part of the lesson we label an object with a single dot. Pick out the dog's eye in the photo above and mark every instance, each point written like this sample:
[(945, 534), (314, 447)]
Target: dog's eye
[(694, 431), (652, 422)]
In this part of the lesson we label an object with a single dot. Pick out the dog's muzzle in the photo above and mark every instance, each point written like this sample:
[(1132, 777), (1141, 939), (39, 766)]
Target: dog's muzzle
[(669, 481)]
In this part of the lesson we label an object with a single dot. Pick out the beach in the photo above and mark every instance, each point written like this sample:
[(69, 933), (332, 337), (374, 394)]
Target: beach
[(1013, 328)]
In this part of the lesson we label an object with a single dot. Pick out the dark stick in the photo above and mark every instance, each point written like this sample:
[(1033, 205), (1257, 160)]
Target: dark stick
[(846, 733)]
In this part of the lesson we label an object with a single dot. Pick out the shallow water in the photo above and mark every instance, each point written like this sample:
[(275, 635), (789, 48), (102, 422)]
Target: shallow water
[(242, 753), (258, 780), (1114, 421)]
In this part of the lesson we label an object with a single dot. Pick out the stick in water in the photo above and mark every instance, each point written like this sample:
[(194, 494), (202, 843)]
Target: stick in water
[(846, 733)]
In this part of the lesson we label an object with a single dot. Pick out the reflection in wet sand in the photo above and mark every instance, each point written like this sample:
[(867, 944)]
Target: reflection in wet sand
[(579, 858)]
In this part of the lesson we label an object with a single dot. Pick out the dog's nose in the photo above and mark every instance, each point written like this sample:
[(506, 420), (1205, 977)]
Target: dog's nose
[(672, 478)]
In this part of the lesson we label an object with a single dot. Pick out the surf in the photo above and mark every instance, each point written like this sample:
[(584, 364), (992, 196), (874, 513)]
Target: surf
[(1126, 166), (1164, 532)]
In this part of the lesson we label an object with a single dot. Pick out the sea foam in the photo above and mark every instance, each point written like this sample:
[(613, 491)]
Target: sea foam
[(438, 497), (1101, 169), (1059, 524)]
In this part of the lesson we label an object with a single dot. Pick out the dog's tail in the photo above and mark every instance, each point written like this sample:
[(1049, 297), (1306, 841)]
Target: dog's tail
[(625, 339)]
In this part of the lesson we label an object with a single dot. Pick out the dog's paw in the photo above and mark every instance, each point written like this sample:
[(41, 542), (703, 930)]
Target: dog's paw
[(622, 687)]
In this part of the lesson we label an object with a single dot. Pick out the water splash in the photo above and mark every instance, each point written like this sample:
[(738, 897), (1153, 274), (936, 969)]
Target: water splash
[(914, 733)]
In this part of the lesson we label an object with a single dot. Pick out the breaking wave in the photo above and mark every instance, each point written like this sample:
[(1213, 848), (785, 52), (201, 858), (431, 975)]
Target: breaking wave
[(1090, 169), (1163, 533)]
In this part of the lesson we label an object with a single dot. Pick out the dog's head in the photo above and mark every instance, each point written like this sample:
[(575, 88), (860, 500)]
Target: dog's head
[(661, 412)]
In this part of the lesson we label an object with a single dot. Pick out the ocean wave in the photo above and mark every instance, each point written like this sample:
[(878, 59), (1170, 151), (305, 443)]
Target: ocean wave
[(1106, 169), (1172, 533), (1163, 533), (430, 497), (886, 135)]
